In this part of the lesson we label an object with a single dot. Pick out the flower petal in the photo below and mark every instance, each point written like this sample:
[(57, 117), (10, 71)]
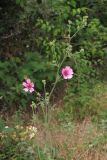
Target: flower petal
[(28, 80), (65, 77), (24, 84), (26, 89), (69, 76), (31, 90), (32, 84)]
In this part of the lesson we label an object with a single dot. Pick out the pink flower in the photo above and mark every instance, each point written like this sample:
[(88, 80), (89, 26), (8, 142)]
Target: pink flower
[(28, 86), (67, 72)]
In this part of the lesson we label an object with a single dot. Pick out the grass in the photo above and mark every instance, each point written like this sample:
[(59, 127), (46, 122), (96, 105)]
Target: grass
[(80, 141), (66, 141), (60, 138)]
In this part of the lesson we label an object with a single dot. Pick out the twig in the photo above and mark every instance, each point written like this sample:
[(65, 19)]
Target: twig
[(11, 35)]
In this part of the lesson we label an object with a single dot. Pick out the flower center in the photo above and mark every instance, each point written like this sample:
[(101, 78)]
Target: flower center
[(29, 85), (66, 72)]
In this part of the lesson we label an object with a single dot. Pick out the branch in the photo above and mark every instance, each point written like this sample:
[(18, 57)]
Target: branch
[(11, 35)]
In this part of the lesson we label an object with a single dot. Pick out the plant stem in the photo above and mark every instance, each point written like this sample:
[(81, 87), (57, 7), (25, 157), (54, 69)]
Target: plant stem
[(57, 78)]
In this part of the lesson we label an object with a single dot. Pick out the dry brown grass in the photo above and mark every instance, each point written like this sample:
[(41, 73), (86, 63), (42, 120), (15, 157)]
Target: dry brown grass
[(76, 144)]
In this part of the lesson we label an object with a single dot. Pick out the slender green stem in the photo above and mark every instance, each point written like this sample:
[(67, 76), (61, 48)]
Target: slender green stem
[(74, 34), (57, 78), (46, 104)]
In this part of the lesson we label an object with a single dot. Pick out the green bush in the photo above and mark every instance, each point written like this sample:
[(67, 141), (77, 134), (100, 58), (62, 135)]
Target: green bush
[(47, 27), (13, 72)]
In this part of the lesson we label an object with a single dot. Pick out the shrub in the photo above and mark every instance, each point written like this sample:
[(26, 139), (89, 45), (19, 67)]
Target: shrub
[(46, 30)]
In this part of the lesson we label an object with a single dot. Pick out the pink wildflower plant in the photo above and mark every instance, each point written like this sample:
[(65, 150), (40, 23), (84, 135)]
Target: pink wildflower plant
[(67, 72), (28, 86)]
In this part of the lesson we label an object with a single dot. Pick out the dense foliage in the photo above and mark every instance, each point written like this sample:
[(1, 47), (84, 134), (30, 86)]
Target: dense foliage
[(34, 40)]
